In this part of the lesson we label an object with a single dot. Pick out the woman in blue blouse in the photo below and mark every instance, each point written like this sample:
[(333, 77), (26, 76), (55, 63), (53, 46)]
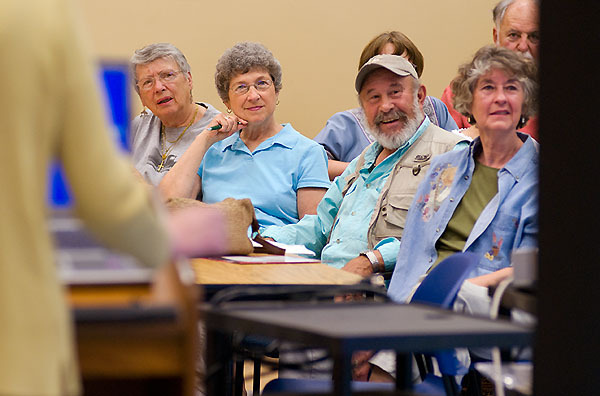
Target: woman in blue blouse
[(247, 154), (484, 198)]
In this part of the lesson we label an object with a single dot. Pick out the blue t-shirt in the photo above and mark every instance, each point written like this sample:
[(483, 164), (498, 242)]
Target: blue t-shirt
[(270, 176)]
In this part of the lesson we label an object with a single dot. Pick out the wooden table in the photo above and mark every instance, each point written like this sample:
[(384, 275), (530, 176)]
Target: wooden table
[(215, 275), (137, 332)]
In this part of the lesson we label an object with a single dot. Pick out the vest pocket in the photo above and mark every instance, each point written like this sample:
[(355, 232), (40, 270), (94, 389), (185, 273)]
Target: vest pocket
[(393, 215)]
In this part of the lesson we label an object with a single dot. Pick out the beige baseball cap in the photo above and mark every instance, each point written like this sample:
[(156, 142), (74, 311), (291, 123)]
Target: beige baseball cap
[(394, 63)]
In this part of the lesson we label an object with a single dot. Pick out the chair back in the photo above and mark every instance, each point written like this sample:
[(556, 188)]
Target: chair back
[(440, 288)]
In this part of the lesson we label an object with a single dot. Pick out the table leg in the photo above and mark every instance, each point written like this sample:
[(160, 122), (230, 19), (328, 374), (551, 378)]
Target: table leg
[(219, 364), (403, 371), (342, 374)]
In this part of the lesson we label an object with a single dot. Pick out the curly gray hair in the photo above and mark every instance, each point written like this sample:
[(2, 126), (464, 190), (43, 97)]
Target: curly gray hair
[(492, 57), (152, 52), (240, 59)]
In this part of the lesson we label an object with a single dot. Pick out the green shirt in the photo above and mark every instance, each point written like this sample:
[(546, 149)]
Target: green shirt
[(482, 189)]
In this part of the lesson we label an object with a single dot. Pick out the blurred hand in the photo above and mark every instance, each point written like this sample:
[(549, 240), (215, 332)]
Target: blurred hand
[(197, 232), (361, 365)]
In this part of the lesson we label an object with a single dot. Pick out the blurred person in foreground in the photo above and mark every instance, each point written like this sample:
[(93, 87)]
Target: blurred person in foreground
[(482, 199), (51, 109), (347, 133), (250, 155), (161, 134), (516, 27)]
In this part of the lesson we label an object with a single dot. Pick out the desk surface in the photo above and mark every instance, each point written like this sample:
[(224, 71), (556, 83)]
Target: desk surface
[(218, 272), (405, 328)]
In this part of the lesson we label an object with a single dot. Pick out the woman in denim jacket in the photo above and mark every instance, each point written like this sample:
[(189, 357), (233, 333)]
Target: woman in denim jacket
[(484, 198)]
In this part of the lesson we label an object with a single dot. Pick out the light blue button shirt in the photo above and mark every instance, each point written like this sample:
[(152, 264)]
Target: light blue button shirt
[(348, 237), (270, 175)]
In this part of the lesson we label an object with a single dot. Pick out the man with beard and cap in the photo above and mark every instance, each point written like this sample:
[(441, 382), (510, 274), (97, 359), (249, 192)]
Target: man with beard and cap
[(359, 221), (516, 27)]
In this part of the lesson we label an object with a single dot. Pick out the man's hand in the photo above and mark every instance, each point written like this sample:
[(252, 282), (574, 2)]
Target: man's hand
[(492, 279), (362, 266), (361, 365), (359, 265)]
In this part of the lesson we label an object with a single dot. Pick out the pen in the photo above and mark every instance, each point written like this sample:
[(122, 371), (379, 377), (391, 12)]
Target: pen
[(219, 126)]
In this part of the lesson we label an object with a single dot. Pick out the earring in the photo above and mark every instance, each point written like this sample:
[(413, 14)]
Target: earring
[(522, 122), (228, 111), (471, 119), (277, 103)]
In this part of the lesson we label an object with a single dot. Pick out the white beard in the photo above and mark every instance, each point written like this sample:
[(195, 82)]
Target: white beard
[(397, 139)]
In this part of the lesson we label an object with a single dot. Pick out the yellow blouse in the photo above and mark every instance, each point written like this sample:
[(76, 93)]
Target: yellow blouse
[(50, 107)]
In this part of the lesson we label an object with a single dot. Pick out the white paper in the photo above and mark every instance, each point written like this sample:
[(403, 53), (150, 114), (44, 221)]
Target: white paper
[(289, 249)]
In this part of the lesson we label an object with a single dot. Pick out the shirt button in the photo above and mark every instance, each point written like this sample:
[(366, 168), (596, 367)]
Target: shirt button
[(368, 185), (353, 213), (337, 240), (437, 230), (430, 260), (451, 199), (467, 177)]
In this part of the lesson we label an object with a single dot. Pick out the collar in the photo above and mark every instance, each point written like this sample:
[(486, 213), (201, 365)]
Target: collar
[(521, 162), (285, 137)]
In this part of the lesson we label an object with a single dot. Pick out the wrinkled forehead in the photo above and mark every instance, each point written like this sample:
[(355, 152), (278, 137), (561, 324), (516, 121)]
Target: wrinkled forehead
[(522, 16), (156, 66)]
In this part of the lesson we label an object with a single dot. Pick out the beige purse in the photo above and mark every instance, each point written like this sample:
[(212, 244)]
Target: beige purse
[(239, 215)]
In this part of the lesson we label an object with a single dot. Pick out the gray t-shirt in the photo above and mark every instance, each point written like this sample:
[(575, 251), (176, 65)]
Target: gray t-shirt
[(146, 145)]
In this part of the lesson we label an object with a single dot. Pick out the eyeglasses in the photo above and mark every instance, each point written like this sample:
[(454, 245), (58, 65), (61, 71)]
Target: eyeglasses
[(260, 85), (164, 76)]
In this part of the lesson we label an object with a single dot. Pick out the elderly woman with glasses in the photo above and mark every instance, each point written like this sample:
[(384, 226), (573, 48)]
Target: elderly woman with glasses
[(248, 154), (163, 80)]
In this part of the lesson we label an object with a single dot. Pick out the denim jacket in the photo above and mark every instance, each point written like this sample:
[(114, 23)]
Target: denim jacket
[(509, 221)]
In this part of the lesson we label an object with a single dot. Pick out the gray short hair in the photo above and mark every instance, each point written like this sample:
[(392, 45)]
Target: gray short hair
[(240, 59), (500, 9), (492, 57), (155, 51)]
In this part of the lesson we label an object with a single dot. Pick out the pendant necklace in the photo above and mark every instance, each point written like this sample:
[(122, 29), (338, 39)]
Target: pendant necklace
[(165, 151)]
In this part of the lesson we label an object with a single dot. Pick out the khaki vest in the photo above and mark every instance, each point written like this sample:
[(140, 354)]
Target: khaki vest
[(396, 197)]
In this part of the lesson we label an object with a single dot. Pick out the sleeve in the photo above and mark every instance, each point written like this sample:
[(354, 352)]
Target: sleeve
[(112, 203), (461, 121), (312, 231), (388, 248), (313, 168), (339, 135), (133, 129), (446, 121), (528, 230)]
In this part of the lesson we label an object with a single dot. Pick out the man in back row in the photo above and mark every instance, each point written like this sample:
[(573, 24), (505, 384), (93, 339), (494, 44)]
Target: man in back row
[(360, 220), (516, 27)]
